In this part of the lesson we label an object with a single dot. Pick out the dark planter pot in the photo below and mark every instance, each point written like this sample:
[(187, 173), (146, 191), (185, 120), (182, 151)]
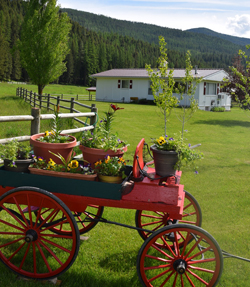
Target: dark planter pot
[(93, 155), (42, 149), (164, 161), (22, 165)]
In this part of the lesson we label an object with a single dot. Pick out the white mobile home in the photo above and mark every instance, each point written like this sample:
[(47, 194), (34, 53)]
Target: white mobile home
[(122, 85)]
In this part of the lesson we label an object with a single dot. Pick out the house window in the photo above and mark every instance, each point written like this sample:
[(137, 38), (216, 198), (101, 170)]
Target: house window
[(125, 84), (211, 89)]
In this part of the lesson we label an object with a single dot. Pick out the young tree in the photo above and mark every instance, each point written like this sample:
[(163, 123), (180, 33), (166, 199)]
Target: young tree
[(44, 42), (239, 80), (162, 83), (186, 89)]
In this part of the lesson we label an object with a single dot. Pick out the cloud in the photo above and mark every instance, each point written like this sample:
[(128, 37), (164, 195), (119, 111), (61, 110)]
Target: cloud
[(240, 24)]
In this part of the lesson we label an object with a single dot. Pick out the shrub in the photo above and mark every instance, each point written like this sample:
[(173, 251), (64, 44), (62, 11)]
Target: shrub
[(218, 109)]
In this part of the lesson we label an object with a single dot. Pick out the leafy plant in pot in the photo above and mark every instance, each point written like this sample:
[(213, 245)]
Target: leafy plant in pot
[(171, 153), (111, 169), (101, 142), (53, 141), (16, 156)]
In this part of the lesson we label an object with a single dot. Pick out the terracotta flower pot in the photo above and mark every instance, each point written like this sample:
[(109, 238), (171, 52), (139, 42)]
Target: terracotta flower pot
[(164, 161), (92, 155), (42, 148), (89, 177), (110, 178), (21, 165)]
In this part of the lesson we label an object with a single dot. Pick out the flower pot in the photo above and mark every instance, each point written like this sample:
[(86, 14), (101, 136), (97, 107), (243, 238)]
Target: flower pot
[(110, 178), (164, 161), (89, 177), (22, 165), (92, 155), (41, 149)]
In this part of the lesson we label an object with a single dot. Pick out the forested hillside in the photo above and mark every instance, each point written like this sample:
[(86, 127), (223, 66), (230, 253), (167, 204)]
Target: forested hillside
[(94, 50), (236, 40)]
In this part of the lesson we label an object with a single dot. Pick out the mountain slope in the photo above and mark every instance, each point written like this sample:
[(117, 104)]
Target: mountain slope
[(176, 39), (233, 39)]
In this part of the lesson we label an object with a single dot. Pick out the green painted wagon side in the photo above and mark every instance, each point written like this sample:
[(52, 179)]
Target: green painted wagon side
[(63, 185)]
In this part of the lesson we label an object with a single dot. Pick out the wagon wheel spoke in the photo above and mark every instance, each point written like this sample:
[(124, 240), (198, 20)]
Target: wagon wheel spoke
[(27, 245)]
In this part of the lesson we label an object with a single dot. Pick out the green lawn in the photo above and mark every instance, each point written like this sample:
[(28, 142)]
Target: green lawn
[(108, 258)]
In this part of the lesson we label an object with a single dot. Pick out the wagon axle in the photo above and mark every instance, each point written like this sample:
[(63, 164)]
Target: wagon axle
[(31, 235), (180, 266)]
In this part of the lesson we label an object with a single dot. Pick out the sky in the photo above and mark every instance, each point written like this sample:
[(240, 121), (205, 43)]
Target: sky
[(231, 17)]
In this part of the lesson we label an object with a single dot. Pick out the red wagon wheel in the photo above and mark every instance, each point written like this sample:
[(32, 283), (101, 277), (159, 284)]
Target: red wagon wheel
[(27, 245), (154, 220), (83, 219), (199, 263)]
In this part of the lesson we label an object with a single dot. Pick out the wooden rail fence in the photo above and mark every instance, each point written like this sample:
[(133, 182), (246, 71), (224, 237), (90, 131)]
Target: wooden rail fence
[(36, 117), (46, 101)]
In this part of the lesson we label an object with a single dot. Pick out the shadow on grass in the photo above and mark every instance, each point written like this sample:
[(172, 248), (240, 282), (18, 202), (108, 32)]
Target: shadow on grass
[(224, 123), (116, 270), (11, 98)]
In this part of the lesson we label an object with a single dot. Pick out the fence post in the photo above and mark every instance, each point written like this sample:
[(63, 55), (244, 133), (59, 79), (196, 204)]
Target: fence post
[(17, 92), (40, 101), (31, 97), (58, 101), (93, 119), (26, 93), (72, 101), (48, 101), (35, 124), (62, 96), (77, 97)]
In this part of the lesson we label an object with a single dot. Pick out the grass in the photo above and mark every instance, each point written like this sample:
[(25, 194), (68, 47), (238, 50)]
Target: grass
[(108, 258)]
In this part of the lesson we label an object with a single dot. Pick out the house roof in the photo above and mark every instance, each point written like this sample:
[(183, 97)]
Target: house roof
[(142, 73)]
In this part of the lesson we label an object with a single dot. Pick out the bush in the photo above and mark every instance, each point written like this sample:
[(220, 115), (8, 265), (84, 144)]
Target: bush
[(218, 109)]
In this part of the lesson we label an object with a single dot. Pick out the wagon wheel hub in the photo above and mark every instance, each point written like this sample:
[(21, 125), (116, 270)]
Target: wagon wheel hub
[(31, 235), (180, 266)]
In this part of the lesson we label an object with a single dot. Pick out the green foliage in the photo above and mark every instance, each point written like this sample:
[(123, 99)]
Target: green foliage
[(44, 42), (101, 137), (162, 84), (14, 150), (217, 109), (244, 79), (111, 166)]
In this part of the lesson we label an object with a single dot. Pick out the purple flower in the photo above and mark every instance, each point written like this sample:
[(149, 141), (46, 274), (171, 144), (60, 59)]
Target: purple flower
[(171, 139), (196, 172), (189, 145), (101, 121), (13, 163), (166, 136)]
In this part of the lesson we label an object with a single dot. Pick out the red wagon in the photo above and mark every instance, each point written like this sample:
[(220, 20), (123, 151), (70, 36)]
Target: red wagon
[(42, 217)]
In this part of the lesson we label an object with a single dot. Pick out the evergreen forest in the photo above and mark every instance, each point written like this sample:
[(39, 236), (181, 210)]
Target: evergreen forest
[(98, 43)]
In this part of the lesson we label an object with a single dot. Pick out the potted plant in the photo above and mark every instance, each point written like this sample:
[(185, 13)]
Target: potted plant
[(111, 169), (170, 153), (101, 142), (16, 156), (70, 168), (53, 141)]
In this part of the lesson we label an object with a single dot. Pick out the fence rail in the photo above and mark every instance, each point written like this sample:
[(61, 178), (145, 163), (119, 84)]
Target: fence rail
[(36, 117)]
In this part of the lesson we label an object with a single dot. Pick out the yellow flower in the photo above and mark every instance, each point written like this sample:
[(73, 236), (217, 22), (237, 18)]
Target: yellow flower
[(73, 164), (46, 134), (51, 162), (161, 140), (97, 163), (107, 159), (52, 132)]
